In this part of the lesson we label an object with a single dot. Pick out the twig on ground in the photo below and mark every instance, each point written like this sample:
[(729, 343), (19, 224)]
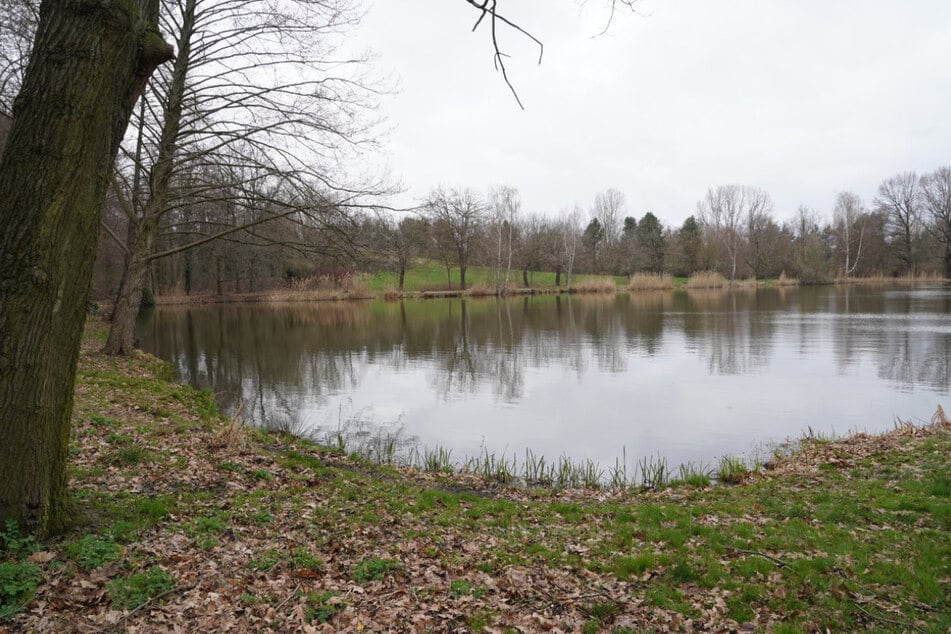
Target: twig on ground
[(289, 597), (121, 622), (882, 619), (776, 560)]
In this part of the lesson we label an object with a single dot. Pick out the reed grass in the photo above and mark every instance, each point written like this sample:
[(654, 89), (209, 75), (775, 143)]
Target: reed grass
[(921, 278), (706, 279), (618, 473), (732, 470), (602, 285), (493, 468), (650, 282), (783, 280), (693, 475), (435, 460), (654, 473), (233, 435), (322, 288), (392, 295), (749, 284), (536, 471), (365, 441), (480, 290)]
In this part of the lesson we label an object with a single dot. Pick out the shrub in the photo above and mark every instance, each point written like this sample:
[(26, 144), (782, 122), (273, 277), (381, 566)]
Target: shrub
[(17, 583), (91, 552), (13, 543)]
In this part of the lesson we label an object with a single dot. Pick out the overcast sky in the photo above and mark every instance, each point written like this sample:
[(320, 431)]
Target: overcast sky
[(803, 98)]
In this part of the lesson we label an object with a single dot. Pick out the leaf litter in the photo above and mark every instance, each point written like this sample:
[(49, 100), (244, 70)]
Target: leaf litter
[(265, 532)]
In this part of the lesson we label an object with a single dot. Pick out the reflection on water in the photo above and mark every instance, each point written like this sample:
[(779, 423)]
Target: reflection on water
[(687, 375)]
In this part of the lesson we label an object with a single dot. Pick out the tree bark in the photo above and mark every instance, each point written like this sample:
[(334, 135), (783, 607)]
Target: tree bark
[(89, 64)]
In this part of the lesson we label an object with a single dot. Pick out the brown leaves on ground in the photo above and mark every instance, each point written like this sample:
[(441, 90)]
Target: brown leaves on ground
[(253, 541)]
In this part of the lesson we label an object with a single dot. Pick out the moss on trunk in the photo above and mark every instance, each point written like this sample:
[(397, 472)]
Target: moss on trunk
[(86, 70)]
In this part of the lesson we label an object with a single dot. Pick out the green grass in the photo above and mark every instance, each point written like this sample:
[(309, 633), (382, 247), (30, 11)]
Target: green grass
[(428, 275), (849, 538), (374, 569)]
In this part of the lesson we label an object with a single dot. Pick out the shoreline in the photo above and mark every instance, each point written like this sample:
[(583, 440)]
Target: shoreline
[(193, 520), (279, 296)]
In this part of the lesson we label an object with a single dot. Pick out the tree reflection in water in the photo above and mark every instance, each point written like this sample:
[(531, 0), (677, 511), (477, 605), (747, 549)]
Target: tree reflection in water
[(292, 362)]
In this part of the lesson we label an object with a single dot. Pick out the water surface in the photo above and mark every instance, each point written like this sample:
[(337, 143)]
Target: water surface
[(690, 376)]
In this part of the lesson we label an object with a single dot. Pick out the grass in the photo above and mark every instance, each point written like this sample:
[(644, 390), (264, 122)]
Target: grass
[(374, 569), (427, 275), (841, 534)]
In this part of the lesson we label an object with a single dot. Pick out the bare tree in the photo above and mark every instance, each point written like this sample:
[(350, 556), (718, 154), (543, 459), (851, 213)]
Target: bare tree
[(570, 233), (457, 216), (936, 202), (847, 217), (723, 211), (401, 242), (72, 112), (18, 20), (504, 207), (761, 233), (490, 12), (231, 117), (899, 199), (608, 209)]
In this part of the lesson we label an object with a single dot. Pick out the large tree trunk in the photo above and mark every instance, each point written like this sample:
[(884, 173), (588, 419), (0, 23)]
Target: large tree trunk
[(89, 64)]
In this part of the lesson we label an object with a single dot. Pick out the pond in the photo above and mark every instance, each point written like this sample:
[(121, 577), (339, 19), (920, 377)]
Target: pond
[(689, 376)]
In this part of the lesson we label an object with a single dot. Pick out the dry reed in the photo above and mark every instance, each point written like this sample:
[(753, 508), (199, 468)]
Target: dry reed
[(233, 435), (786, 281), (749, 284), (324, 287), (921, 278), (706, 279), (650, 282), (603, 285), (479, 290)]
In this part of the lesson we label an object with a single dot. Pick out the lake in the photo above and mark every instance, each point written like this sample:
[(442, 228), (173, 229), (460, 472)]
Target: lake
[(686, 375)]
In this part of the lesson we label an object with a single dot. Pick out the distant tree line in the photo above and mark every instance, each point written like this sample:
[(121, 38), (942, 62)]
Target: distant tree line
[(904, 230)]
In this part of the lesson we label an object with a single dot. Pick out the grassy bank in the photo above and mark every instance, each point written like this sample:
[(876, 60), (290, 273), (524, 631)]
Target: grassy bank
[(430, 276), (192, 521)]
